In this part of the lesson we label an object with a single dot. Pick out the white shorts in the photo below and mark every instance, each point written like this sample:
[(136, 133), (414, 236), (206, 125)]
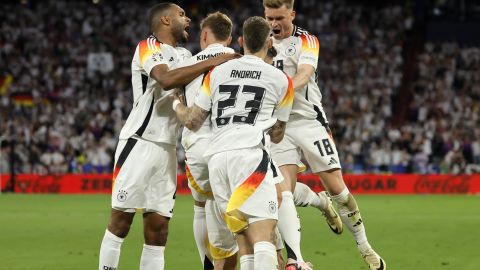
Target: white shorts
[(144, 176), (243, 186), (277, 175), (221, 240), (196, 167), (310, 137)]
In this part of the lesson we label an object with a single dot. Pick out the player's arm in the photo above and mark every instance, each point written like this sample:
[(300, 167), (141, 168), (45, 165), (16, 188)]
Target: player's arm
[(193, 117), (307, 61), (190, 117), (304, 72), (169, 79), (282, 112), (277, 131)]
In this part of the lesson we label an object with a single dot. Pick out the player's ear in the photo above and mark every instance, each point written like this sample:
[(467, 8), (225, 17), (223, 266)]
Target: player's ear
[(293, 15), (269, 42), (240, 41), (229, 40), (166, 20)]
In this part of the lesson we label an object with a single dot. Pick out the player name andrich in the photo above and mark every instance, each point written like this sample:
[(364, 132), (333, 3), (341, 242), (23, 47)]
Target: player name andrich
[(202, 57), (242, 74)]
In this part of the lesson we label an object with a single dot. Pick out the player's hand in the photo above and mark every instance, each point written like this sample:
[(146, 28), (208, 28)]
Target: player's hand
[(215, 61), (178, 95)]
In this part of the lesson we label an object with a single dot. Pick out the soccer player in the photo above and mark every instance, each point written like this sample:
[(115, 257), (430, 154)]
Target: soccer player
[(145, 159), (215, 36), (242, 95), (308, 130)]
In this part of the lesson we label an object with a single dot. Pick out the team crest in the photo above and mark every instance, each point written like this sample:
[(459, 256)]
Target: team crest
[(272, 207), (290, 50), (122, 195), (157, 56)]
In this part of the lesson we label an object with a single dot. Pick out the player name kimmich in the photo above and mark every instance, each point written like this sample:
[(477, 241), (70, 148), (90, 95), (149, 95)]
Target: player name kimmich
[(202, 57), (242, 74)]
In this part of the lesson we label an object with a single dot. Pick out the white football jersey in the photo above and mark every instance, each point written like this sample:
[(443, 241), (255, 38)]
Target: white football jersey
[(152, 116), (191, 91), (301, 48), (246, 96)]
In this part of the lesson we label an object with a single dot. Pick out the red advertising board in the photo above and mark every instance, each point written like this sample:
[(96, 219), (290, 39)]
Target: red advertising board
[(364, 183)]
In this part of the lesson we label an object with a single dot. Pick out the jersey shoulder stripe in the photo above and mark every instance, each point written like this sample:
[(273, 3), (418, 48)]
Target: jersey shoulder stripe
[(148, 47), (310, 42), (288, 98), (206, 84)]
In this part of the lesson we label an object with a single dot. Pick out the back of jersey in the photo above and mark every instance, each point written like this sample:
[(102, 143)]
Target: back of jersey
[(246, 96), (191, 91)]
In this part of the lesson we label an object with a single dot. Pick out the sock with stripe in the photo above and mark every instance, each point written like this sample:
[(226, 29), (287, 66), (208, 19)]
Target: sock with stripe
[(246, 262), (289, 226), (350, 215), (304, 196)]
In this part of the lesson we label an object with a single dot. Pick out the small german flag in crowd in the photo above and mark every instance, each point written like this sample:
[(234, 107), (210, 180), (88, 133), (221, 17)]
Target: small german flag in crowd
[(22, 98)]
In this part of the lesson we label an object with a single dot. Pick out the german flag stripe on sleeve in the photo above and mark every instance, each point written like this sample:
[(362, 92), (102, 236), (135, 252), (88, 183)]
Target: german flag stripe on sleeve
[(310, 44), (147, 48), (288, 98), (206, 84)]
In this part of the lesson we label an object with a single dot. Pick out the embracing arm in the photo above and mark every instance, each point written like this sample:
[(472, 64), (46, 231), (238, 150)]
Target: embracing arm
[(169, 79), (190, 117), (304, 72)]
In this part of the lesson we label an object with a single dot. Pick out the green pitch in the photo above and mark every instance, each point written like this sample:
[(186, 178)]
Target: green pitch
[(58, 232)]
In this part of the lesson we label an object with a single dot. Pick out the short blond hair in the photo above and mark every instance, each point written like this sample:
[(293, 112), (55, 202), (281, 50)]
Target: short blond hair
[(220, 24), (278, 3)]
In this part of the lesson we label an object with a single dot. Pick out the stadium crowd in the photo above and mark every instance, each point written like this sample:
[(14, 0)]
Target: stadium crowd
[(63, 115)]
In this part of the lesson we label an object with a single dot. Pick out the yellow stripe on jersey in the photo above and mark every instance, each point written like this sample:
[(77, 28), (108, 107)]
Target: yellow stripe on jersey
[(288, 98), (206, 84), (234, 218), (218, 253), (310, 44), (147, 48), (194, 184)]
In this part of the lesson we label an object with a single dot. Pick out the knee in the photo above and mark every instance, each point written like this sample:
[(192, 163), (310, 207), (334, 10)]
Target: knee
[(156, 234), (120, 227)]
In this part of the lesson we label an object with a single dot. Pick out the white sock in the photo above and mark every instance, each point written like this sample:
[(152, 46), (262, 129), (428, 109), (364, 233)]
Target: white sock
[(350, 215), (289, 226), (246, 262), (304, 196), (152, 258), (265, 256), (200, 231), (109, 251)]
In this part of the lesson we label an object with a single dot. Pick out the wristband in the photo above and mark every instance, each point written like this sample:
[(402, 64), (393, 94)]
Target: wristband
[(175, 104)]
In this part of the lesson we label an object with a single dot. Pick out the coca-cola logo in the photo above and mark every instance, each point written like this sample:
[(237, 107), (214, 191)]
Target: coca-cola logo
[(39, 184), (452, 184)]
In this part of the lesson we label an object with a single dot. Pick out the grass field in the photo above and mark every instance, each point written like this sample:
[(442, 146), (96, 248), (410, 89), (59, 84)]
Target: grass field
[(59, 232)]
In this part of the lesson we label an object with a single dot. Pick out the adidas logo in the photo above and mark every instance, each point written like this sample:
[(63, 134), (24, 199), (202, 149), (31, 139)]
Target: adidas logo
[(332, 161)]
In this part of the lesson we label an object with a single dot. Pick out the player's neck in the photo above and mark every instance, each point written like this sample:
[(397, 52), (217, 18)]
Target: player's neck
[(260, 54), (288, 32), (165, 37)]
